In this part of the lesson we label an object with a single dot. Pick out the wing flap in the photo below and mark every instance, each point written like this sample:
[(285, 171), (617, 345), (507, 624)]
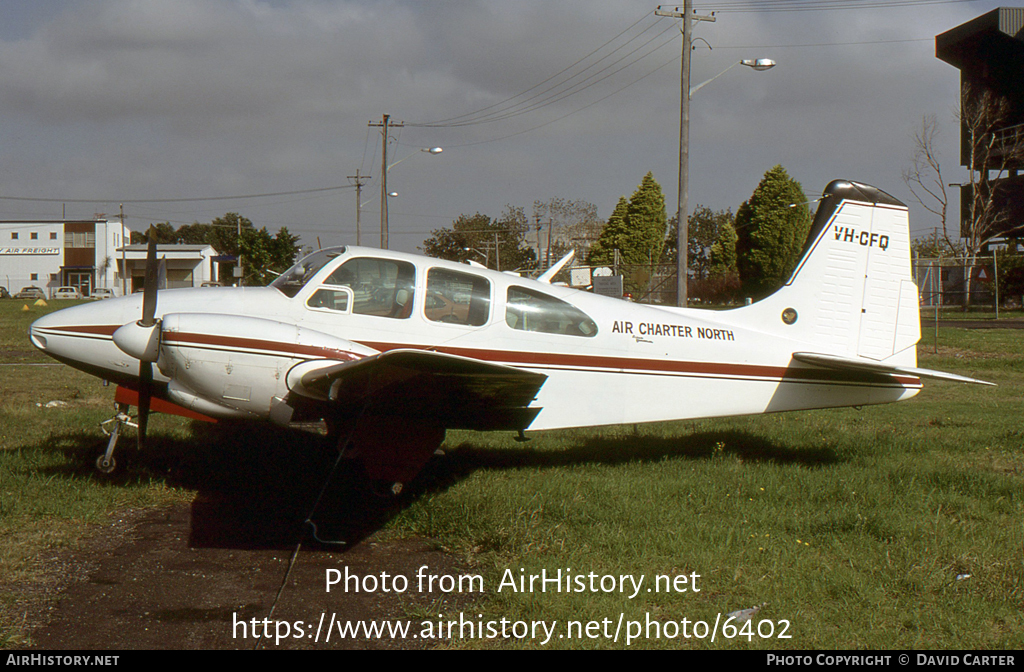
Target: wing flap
[(455, 392), (846, 363)]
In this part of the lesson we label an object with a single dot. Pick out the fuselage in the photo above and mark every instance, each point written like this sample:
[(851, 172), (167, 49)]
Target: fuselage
[(607, 361)]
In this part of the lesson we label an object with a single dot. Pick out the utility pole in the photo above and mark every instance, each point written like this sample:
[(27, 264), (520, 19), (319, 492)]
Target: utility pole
[(384, 125), (682, 241), (124, 262), (540, 249), (359, 202), (241, 276)]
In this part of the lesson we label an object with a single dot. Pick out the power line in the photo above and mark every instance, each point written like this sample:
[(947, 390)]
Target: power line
[(442, 122), (762, 6), (674, 59), (576, 88), (824, 44), (173, 200)]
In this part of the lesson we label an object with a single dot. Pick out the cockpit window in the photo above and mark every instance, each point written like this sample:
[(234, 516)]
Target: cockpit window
[(296, 277), (529, 310), (381, 287)]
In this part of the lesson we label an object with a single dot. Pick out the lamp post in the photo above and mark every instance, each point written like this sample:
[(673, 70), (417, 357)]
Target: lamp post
[(385, 223), (685, 91), (485, 255)]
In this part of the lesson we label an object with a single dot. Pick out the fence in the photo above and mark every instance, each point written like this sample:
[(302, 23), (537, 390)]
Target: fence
[(644, 283), (986, 282), (991, 282)]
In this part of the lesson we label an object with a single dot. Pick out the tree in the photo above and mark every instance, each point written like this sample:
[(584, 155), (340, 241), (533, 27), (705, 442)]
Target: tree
[(614, 235), (990, 151), (924, 178), (636, 228), (723, 251), (224, 233), (990, 148), (163, 232), (262, 255), (936, 246), (265, 257), (704, 232), (569, 225), (491, 242), (772, 227)]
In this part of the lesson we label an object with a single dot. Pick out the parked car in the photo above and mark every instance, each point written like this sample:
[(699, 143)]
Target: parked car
[(101, 293), (4, 294), (210, 284), (67, 293), (31, 292)]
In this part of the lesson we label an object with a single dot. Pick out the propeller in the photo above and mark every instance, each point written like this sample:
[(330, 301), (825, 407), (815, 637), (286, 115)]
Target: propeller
[(141, 339), (148, 321)]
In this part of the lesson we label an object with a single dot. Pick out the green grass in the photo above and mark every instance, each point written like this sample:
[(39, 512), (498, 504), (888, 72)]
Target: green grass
[(853, 525)]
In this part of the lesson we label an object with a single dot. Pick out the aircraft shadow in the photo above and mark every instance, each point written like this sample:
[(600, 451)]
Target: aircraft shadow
[(256, 484)]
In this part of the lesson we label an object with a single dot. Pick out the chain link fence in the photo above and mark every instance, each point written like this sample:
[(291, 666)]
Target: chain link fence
[(656, 284), (986, 283), (991, 282)]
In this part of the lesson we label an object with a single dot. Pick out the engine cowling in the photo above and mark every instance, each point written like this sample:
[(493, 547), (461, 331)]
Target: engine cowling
[(241, 363)]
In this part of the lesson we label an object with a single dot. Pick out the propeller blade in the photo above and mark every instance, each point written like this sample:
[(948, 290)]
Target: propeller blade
[(145, 394), (149, 289), (148, 320)]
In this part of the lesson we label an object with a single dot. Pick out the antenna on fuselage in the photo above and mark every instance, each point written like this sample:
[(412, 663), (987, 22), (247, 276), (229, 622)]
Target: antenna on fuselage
[(553, 271)]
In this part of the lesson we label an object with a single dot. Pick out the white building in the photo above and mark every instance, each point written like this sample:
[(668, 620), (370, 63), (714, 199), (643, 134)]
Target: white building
[(181, 265), (59, 253)]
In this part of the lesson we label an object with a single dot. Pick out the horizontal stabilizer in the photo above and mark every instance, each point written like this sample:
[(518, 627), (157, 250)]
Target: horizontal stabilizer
[(846, 363)]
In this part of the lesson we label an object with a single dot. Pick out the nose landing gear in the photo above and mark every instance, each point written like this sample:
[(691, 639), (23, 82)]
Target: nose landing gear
[(105, 463)]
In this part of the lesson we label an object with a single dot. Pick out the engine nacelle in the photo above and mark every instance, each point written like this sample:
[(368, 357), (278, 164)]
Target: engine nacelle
[(242, 363)]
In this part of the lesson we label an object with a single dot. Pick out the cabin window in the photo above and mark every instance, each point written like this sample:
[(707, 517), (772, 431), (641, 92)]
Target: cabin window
[(381, 287), (457, 298), (530, 310)]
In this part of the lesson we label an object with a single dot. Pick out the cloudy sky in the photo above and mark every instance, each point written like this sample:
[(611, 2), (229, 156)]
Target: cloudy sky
[(108, 101)]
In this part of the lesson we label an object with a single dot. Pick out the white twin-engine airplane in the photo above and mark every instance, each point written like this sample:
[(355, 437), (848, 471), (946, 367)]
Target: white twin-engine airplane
[(392, 349)]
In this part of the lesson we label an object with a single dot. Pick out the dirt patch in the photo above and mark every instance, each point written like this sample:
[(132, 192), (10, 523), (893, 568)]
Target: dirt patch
[(152, 581)]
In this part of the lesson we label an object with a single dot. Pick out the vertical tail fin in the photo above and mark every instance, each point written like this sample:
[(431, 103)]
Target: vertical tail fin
[(853, 291)]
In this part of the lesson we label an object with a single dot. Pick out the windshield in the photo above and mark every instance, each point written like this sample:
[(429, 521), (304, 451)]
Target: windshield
[(296, 277)]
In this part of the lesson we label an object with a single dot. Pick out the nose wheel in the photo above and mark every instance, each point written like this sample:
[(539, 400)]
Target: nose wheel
[(105, 463)]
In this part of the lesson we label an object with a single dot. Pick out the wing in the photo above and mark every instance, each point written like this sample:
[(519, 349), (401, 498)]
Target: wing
[(849, 364), (455, 392)]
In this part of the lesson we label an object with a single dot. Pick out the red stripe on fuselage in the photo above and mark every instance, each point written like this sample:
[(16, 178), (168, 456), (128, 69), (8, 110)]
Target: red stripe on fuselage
[(532, 359), (628, 364), (257, 344)]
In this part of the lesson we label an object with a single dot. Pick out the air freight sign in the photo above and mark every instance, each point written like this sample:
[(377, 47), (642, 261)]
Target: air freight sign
[(29, 250)]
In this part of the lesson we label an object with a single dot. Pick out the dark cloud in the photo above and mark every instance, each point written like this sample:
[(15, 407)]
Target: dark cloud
[(145, 98)]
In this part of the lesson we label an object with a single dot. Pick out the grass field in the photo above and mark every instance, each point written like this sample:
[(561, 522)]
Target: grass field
[(852, 525)]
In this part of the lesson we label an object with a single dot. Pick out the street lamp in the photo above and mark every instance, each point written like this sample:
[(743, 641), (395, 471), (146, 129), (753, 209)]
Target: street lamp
[(486, 256), (682, 226), (687, 15), (385, 224), (759, 64)]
